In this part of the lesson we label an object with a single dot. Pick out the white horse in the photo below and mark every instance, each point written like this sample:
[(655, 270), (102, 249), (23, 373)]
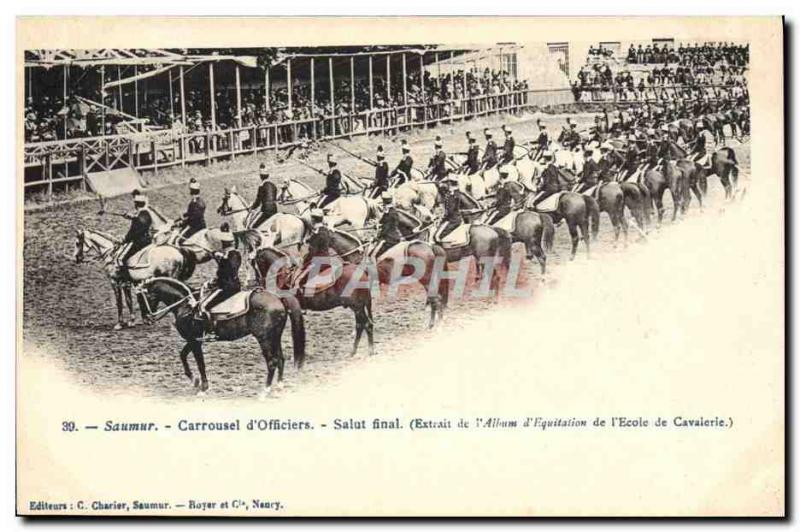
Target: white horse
[(355, 210), (152, 261)]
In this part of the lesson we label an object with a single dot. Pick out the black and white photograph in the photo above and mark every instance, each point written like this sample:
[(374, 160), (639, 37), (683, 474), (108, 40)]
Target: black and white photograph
[(429, 240)]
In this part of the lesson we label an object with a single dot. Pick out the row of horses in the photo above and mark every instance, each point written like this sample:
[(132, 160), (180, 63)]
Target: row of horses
[(274, 248)]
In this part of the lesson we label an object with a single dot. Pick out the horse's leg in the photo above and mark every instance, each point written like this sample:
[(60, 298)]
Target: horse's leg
[(118, 298), (129, 302), (573, 234), (584, 226), (197, 350), (658, 200), (369, 324), (695, 186), (185, 361), (358, 313), (623, 222)]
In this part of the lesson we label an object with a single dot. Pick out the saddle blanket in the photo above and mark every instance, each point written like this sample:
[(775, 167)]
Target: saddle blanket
[(319, 282), (508, 222), (549, 204), (233, 307), (458, 237), (591, 190)]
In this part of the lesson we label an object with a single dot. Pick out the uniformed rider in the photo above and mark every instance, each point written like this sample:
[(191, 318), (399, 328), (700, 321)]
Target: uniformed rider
[(437, 166), (388, 227), (266, 198), (193, 220), (226, 284), (402, 171), (333, 183), (451, 201), (381, 182), (138, 236)]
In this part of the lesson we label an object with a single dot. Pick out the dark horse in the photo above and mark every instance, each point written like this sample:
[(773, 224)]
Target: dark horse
[(578, 210), (723, 164), (534, 229), (265, 319), (484, 241)]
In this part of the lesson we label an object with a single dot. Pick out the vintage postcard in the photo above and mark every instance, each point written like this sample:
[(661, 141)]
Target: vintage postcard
[(400, 267)]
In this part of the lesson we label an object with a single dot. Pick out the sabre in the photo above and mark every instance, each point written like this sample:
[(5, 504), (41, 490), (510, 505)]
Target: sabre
[(359, 157)]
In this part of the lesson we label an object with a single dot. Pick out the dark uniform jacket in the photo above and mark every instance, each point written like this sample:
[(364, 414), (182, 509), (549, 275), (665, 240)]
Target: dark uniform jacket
[(590, 172), (607, 167), (508, 149), (452, 207), (404, 166), (390, 227), (438, 165), (266, 198), (382, 175), (699, 144), (490, 154), (195, 215), (543, 140), (139, 232), (473, 164), (319, 243), (503, 200), (550, 179), (664, 150), (228, 272), (333, 183), (571, 139)]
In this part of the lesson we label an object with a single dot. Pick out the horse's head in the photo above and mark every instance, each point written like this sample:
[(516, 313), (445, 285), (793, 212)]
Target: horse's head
[(156, 291)]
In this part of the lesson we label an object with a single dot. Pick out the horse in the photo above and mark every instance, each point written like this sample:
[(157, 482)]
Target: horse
[(723, 165), (610, 199), (264, 319), (535, 230), (413, 193), (337, 294), (354, 210), (351, 250), (581, 212), (167, 261)]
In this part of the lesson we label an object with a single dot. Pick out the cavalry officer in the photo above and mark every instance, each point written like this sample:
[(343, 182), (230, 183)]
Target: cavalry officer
[(138, 235), (571, 136), (490, 153), (403, 169), (381, 182), (609, 162), (388, 227), (651, 150), (451, 201), (508, 146), (319, 242), (698, 144), (591, 169), (438, 163), (550, 179), (227, 282), (333, 184), (266, 198), (542, 141), (632, 154), (472, 164), (194, 219), (503, 198)]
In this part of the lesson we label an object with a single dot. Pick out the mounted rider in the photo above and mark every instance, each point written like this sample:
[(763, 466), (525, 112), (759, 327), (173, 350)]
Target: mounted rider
[(631, 157), (698, 152), (226, 284), (589, 173), (388, 227), (194, 219), (490, 152), (504, 201), (402, 171), (266, 198), (550, 182), (472, 164), (451, 202), (138, 236), (508, 146), (610, 162), (571, 138), (437, 166), (333, 184), (542, 141), (381, 182), (319, 242)]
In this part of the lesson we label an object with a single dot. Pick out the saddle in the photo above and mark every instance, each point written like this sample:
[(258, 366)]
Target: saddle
[(509, 221), (311, 285), (456, 238), (140, 259), (549, 204), (233, 307)]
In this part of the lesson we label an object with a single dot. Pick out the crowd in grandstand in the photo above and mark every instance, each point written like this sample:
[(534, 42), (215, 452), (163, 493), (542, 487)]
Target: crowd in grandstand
[(685, 70), (46, 118)]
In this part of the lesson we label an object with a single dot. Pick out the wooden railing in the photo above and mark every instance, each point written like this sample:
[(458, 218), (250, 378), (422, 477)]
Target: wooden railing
[(48, 164)]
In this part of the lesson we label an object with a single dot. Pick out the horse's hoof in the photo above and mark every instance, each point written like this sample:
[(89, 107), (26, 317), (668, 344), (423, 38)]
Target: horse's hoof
[(196, 382), (200, 393), (131, 323), (118, 327), (265, 393)]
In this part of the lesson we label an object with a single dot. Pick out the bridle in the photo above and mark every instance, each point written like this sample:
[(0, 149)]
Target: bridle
[(158, 314)]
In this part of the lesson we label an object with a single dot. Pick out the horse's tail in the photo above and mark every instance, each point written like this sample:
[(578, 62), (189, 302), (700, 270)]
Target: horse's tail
[(188, 265), (292, 306), (594, 214), (549, 231), (252, 238), (504, 246)]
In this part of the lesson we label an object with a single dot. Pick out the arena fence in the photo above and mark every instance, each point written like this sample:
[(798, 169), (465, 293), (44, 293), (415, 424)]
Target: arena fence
[(57, 165)]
